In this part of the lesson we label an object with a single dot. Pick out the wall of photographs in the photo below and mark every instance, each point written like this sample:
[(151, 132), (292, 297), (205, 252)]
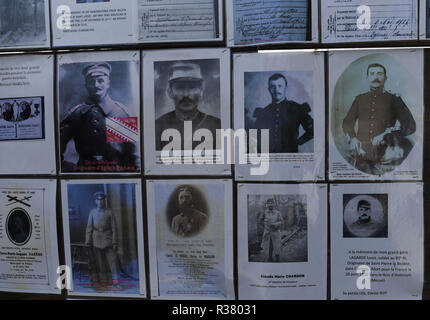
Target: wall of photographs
[(209, 149)]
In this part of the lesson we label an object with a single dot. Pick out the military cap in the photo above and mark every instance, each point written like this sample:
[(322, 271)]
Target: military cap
[(184, 189), (363, 204), (97, 69), (185, 71), (99, 195)]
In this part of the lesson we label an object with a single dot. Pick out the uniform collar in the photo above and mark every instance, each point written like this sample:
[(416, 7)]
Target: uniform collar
[(279, 103), (107, 104), (377, 91)]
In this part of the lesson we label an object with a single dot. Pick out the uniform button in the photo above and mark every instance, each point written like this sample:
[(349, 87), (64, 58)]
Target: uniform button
[(96, 122), (95, 131), (373, 110), (370, 131), (372, 117), (373, 102)]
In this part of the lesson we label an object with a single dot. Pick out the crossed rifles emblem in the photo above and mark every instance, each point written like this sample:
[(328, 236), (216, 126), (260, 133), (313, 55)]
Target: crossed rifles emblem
[(21, 201)]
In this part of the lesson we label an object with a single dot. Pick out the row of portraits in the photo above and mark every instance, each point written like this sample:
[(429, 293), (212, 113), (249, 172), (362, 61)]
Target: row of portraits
[(375, 114), (190, 236), (76, 23)]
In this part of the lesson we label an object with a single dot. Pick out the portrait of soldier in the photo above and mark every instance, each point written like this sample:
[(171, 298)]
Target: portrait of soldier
[(85, 123), (19, 227), (272, 219), (185, 88), (377, 125), (102, 238), (189, 221), (283, 118), (364, 225)]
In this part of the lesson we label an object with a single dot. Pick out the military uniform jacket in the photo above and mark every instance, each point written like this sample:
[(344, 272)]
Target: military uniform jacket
[(273, 220), (86, 124), (283, 120), (170, 121), (101, 229), (187, 225), (376, 111)]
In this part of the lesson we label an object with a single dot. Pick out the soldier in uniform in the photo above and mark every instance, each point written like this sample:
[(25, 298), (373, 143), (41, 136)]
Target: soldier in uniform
[(283, 118), (102, 237), (364, 226), (189, 221), (272, 231), (379, 140), (86, 123), (185, 88)]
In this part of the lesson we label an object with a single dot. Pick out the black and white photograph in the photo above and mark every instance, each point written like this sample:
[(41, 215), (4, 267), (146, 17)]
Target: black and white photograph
[(186, 97), (103, 240), (369, 20), (287, 111), (27, 114), (77, 23), (377, 241), (277, 107), (24, 24), (282, 232), (277, 228), (190, 234), (365, 216), (99, 112), (376, 114), (180, 20), (267, 22), (28, 236)]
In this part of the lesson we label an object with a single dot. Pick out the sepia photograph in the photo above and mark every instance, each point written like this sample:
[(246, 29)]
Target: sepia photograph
[(376, 112), (103, 225), (99, 116), (277, 228), (23, 23), (365, 216)]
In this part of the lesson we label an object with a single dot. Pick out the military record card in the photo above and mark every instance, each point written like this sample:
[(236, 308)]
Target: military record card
[(377, 241), (190, 234), (275, 21), (28, 236), (277, 96), (99, 112), (369, 20), (282, 241), (93, 23), (27, 114), (103, 237), (376, 114), (186, 98), (180, 20), (24, 24)]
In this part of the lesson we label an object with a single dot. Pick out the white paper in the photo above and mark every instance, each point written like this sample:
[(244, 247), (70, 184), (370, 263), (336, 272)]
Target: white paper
[(84, 238), (27, 114), (299, 239), (387, 239), (28, 236), (380, 20), (213, 108), (24, 24), (304, 73), (194, 259), (81, 23), (91, 140), (394, 149), (172, 20), (263, 22)]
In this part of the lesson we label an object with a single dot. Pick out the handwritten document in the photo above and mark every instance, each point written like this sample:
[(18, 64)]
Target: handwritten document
[(178, 20), (357, 20), (270, 21)]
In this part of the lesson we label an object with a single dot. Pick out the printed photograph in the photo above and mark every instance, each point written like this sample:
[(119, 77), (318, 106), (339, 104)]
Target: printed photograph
[(22, 118), (365, 215), (186, 90), (99, 121), (277, 228), (187, 211), (22, 23), (103, 238), (18, 226), (373, 113), (281, 101)]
